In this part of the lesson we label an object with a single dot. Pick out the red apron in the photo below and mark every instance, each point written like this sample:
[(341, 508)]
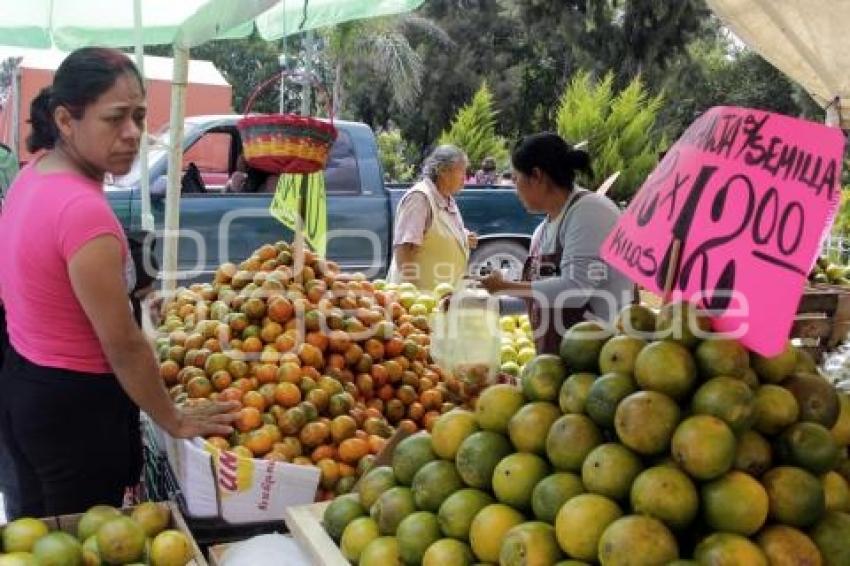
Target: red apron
[(543, 266)]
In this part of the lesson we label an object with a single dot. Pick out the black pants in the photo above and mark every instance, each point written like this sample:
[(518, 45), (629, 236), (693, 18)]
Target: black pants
[(7, 469), (73, 438)]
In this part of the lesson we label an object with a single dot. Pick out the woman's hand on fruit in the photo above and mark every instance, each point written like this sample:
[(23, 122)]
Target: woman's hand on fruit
[(493, 283), (206, 419), (152, 303)]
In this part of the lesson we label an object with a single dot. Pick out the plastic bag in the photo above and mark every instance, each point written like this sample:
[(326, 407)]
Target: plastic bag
[(265, 550), (465, 340), (836, 367)]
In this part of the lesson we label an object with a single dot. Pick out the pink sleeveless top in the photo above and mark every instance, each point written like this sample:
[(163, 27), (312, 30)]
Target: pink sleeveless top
[(46, 218)]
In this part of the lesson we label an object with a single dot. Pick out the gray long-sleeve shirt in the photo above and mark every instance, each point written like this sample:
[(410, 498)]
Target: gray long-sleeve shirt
[(585, 278)]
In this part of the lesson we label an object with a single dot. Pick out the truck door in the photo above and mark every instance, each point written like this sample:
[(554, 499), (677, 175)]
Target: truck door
[(219, 225), (357, 213)]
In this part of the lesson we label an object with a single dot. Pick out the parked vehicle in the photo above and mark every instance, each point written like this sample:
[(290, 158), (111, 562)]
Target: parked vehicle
[(218, 225)]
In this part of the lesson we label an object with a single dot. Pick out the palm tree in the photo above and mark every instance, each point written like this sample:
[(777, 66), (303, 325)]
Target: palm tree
[(381, 44)]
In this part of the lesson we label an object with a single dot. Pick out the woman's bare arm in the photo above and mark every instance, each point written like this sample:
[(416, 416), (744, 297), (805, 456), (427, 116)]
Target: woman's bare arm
[(96, 273), (405, 259)]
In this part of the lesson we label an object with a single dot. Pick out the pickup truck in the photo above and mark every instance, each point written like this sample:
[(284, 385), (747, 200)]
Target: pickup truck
[(218, 225)]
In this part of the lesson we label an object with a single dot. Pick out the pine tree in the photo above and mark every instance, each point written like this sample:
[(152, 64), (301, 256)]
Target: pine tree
[(395, 156), (652, 32), (619, 129), (474, 130)]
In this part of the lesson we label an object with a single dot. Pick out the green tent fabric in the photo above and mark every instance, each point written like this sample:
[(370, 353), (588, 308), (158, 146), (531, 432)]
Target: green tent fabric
[(290, 16), (69, 24)]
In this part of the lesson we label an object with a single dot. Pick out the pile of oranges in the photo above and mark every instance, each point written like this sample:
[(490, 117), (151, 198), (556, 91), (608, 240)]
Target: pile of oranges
[(325, 366)]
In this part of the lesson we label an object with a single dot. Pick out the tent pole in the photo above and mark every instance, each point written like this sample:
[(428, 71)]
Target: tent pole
[(175, 158), (833, 113), (147, 217), (299, 243)]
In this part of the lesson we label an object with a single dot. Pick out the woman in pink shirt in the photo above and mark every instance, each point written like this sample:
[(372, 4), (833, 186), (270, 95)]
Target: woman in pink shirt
[(78, 368)]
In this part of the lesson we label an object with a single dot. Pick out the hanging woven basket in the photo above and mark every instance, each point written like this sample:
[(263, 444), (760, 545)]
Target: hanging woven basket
[(286, 143)]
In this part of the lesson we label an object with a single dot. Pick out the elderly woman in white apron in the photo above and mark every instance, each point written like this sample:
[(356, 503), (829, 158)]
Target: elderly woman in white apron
[(430, 243)]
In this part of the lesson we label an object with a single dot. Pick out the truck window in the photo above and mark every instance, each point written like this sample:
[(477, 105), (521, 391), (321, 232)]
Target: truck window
[(342, 175), (211, 155)]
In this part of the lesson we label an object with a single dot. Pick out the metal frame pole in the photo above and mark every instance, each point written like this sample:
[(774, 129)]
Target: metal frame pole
[(171, 238)]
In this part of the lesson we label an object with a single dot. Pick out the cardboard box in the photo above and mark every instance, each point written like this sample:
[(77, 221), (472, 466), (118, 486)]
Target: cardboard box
[(238, 490), (68, 524)]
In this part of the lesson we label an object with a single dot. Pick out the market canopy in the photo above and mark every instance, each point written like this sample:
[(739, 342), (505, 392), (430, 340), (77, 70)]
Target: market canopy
[(69, 24), (293, 16), (805, 39)]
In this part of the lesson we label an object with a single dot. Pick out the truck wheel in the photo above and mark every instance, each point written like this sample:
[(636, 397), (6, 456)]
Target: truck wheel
[(505, 255)]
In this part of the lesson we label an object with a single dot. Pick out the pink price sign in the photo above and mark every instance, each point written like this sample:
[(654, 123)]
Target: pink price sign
[(750, 196)]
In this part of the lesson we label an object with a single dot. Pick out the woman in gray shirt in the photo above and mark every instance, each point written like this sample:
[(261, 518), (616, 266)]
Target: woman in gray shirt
[(565, 281)]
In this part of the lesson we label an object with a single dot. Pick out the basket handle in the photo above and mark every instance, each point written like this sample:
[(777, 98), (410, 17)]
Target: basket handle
[(314, 81)]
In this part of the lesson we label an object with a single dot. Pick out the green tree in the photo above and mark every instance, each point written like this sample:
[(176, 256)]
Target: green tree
[(626, 37), (620, 129), (382, 46), (484, 48), (245, 63), (842, 217), (648, 34), (717, 71), (395, 156), (474, 130), (527, 50), (417, 70)]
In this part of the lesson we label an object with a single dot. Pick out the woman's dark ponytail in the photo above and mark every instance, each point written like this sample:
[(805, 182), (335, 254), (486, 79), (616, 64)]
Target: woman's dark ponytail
[(44, 133), (551, 154), (579, 160)]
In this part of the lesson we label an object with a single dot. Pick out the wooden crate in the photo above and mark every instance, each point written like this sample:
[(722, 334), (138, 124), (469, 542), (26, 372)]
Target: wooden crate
[(305, 525), (216, 553), (650, 299), (823, 319), (68, 524), (305, 521)]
